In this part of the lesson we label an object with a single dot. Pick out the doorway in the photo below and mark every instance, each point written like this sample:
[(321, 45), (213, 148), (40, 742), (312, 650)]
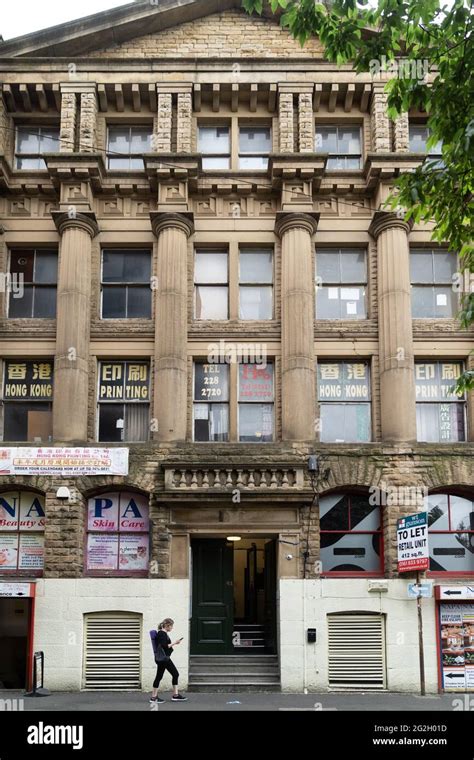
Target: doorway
[(234, 596), (15, 618)]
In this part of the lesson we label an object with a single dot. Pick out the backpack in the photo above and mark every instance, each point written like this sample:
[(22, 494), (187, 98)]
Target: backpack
[(158, 651)]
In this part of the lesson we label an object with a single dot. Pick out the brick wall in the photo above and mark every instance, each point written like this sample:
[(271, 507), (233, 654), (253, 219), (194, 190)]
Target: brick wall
[(232, 34)]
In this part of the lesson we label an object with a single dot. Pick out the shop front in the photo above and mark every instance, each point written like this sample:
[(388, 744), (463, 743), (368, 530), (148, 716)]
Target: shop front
[(17, 610), (455, 637)]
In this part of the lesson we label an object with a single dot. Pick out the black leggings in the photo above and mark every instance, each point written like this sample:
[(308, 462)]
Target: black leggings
[(171, 668)]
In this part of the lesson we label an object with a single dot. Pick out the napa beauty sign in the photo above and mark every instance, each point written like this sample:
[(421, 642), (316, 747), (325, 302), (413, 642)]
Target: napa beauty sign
[(412, 543)]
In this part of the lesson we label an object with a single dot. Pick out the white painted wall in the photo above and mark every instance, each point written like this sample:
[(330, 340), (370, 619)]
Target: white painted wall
[(59, 622), (306, 604)]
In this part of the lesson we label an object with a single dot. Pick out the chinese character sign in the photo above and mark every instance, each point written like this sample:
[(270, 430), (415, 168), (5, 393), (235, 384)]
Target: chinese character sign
[(28, 381)]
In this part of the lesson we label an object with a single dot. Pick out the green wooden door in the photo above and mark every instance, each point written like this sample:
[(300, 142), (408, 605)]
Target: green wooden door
[(213, 597)]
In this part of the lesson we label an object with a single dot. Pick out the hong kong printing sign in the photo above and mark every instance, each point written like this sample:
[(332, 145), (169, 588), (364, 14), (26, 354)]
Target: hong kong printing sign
[(412, 543), (63, 461), (28, 381)]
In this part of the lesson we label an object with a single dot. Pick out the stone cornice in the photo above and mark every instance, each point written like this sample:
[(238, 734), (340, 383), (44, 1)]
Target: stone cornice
[(287, 220), (85, 221), (183, 221), (387, 220)]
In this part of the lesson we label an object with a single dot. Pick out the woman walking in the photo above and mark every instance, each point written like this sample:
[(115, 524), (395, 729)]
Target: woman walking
[(163, 649)]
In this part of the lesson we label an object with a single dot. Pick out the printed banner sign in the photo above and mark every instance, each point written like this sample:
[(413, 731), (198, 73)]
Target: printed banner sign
[(412, 543), (457, 646), (63, 461)]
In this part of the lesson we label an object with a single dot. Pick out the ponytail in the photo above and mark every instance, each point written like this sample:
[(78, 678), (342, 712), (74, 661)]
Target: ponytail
[(166, 621)]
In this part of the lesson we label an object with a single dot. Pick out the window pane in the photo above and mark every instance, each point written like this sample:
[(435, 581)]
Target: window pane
[(46, 267), (452, 552), (255, 140), (139, 303), (421, 266), (109, 416), (352, 163), (353, 266), (334, 512), (136, 164), (136, 422), (326, 139), (211, 382), (422, 302), (21, 307), (137, 266), (336, 163), (462, 513), (350, 553), (256, 303), (332, 423), (445, 301), (22, 262), (445, 265), (256, 422), (31, 164), (211, 422), (328, 266), (427, 422), (27, 422), (256, 267), (352, 303), (255, 382), (49, 142), (215, 163), (345, 423), (28, 139), (210, 267), (328, 303), (211, 302), (113, 266), (451, 422), (140, 140), (119, 140), (418, 138), (349, 140), (119, 164), (45, 303), (363, 516), (214, 140), (438, 511), (114, 303), (260, 163)]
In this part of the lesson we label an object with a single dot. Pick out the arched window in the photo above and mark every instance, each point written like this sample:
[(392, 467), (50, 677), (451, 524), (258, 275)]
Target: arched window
[(22, 523), (451, 533), (351, 535), (117, 534)]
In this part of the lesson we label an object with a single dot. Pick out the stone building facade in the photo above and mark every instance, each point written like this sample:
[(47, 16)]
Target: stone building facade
[(193, 220)]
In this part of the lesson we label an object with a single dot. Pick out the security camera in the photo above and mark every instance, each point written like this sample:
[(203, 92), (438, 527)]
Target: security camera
[(63, 493)]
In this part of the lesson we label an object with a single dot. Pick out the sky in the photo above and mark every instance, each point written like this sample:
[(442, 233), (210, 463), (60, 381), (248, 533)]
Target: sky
[(25, 16)]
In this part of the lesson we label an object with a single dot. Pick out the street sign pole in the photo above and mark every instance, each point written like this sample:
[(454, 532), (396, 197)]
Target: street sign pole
[(420, 639)]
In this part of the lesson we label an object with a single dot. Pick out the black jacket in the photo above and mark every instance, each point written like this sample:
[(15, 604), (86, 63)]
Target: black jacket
[(162, 639)]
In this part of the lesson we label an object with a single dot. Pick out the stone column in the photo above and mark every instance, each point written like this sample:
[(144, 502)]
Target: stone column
[(286, 116), (6, 127), (379, 121), (306, 122), (171, 383), (68, 121), (88, 123), (71, 374), (397, 378), (185, 113), (297, 324), (164, 123), (401, 130)]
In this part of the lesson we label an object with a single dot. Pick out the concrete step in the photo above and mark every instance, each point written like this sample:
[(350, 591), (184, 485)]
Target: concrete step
[(235, 688), (234, 680), (230, 671)]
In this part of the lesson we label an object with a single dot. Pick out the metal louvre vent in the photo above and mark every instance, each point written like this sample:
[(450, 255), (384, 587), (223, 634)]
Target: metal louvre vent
[(112, 651), (356, 646)]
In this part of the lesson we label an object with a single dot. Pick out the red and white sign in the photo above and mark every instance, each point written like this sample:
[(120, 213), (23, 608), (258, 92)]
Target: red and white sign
[(17, 589), (63, 461)]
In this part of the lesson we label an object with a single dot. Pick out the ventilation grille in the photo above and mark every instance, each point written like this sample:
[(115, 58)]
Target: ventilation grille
[(356, 652), (112, 655)]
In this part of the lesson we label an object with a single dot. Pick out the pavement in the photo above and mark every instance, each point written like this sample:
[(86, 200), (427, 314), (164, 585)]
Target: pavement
[(236, 702)]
